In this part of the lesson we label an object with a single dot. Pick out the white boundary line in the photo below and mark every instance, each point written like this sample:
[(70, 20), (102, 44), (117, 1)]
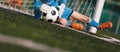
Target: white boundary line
[(104, 37), (28, 44), (109, 39)]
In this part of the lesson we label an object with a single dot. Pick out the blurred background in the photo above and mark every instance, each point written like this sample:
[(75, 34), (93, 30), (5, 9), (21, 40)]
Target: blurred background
[(111, 12)]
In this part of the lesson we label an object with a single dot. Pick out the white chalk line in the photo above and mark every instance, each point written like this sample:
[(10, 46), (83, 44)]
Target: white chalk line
[(105, 37), (29, 44)]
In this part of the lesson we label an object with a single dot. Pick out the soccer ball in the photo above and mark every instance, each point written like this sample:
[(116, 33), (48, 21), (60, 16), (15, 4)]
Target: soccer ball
[(52, 15)]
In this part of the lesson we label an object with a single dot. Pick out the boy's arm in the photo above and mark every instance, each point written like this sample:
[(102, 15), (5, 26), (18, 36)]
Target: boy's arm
[(62, 7), (40, 6), (37, 4), (64, 1)]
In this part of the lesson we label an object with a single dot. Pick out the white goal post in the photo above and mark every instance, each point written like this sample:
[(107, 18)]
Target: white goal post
[(97, 14)]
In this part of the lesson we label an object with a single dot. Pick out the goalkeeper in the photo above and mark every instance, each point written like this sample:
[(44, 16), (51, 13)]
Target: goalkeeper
[(66, 15)]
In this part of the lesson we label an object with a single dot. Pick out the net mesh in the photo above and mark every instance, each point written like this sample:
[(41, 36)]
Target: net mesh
[(111, 13), (27, 5), (85, 7)]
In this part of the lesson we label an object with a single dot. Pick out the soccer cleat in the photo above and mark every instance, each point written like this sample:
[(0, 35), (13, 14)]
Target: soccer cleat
[(106, 25), (77, 26)]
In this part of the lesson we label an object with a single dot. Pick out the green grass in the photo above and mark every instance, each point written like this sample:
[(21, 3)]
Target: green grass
[(4, 47), (19, 25), (108, 33)]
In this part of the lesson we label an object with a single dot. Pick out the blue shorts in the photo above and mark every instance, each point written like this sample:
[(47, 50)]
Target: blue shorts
[(67, 13)]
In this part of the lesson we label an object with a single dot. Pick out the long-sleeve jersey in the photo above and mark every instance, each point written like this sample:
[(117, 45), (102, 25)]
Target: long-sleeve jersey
[(38, 3)]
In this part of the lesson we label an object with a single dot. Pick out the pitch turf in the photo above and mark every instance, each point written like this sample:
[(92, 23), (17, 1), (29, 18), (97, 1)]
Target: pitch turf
[(19, 25), (4, 47)]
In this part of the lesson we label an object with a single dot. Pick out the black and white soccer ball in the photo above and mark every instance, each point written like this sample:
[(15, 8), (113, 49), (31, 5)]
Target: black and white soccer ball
[(52, 15)]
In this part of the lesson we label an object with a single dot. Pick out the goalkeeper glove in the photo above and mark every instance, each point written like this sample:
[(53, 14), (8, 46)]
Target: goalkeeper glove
[(45, 8), (61, 9)]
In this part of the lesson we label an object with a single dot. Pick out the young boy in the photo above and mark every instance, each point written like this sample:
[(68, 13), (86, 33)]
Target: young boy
[(66, 14)]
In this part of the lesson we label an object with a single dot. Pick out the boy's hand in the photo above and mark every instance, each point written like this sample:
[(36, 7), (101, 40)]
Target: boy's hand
[(61, 9), (45, 8)]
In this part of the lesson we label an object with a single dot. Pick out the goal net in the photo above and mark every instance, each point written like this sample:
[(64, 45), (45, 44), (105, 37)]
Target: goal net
[(86, 7), (26, 6)]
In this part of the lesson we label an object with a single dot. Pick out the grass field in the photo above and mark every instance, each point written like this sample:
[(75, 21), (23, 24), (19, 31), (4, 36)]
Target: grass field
[(23, 26), (4, 47)]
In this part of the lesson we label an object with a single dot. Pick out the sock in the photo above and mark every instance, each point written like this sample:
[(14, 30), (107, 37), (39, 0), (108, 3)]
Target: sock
[(69, 23), (94, 23)]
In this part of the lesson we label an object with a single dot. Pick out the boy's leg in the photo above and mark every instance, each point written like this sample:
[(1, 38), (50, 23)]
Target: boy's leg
[(77, 16), (67, 15), (63, 21), (90, 21)]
